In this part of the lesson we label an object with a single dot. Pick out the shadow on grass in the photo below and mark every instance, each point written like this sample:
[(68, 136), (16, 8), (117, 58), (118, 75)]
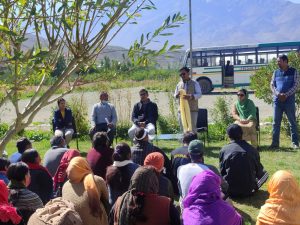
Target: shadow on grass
[(257, 200), (246, 217), (280, 149)]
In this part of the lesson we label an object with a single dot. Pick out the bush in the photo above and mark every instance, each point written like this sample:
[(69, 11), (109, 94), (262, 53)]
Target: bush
[(37, 135), (122, 129), (167, 124), (80, 113), (3, 128), (221, 117)]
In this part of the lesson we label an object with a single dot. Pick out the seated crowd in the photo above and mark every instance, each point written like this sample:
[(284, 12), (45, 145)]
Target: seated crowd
[(140, 184)]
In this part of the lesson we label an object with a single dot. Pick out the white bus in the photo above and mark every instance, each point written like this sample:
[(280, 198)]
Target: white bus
[(231, 66)]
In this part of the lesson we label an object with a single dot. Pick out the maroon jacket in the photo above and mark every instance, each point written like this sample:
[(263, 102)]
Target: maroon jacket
[(100, 160)]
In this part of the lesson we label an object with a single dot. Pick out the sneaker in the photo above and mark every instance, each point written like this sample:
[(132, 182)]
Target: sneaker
[(294, 146)]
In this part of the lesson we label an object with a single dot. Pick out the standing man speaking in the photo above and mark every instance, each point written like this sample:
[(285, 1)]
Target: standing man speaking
[(193, 93), (284, 85)]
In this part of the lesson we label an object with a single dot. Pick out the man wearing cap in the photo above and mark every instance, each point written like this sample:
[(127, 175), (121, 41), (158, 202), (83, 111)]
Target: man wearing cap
[(54, 154), (186, 172), (104, 117), (240, 165), (144, 114), (193, 93)]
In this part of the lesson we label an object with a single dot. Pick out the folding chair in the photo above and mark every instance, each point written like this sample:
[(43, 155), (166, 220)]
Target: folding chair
[(202, 124)]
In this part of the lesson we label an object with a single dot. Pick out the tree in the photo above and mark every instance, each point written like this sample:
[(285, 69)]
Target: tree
[(260, 82), (79, 29)]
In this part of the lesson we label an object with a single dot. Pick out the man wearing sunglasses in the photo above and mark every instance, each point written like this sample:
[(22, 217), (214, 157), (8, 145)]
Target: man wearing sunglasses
[(144, 115), (193, 93), (284, 85)]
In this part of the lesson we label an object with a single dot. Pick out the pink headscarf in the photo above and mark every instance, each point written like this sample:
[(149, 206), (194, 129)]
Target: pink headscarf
[(60, 174), (7, 211)]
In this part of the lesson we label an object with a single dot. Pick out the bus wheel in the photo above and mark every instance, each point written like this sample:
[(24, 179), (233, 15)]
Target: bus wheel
[(206, 86)]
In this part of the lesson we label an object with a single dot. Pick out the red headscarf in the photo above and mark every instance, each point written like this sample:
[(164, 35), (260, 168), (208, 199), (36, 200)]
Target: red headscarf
[(7, 211), (60, 174)]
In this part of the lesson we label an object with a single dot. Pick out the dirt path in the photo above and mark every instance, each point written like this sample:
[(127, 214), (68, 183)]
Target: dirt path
[(124, 99)]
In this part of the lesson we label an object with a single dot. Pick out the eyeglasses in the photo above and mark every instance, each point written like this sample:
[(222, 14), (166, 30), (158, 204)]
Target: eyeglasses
[(142, 94), (240, 95)]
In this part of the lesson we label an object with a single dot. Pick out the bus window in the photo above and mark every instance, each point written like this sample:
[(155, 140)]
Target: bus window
[(241, 59), (262, 58), (271, 56)]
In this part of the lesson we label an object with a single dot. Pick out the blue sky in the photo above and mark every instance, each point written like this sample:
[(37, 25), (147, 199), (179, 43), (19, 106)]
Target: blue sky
[(152, 19)]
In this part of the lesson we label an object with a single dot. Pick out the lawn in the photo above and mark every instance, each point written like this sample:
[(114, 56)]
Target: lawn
[(286, 158)]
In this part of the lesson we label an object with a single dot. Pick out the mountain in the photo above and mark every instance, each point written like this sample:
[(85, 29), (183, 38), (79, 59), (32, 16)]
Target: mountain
[(224, 22)]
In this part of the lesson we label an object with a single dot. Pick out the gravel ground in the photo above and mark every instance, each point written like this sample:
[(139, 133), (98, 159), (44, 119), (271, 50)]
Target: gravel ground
[(124, 99)]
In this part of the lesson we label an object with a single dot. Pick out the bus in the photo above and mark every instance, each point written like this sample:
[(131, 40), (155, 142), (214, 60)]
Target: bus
[(232, 66)]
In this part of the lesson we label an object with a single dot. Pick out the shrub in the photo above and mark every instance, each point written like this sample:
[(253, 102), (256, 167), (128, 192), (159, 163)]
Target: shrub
[(3, 128), (167, 124), (80, 113), (37, 135), (221, 117), (122, 129)]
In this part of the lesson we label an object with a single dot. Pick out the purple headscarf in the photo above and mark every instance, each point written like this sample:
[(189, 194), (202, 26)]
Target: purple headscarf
[(204, 206)]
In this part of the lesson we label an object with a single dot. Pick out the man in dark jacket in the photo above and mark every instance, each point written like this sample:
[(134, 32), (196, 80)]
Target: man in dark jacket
[(144, 115), (63, 123), (240, 165)]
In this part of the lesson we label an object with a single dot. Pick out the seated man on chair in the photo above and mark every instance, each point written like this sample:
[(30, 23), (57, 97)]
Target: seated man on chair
[(104, 117), (144, 115), (63, 121)]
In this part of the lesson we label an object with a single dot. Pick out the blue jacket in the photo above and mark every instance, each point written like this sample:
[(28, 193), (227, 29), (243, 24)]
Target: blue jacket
[(63, 123)]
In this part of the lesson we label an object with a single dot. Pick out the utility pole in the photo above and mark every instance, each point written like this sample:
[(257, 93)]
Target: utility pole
[(191, 38)]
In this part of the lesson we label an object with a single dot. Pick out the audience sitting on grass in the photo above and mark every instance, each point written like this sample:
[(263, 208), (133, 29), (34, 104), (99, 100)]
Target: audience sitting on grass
[(53, 156), (156, 160), (203, 204), (56, 212), (60, 176), (141, 204), (41, 181), (8, 213), (143, 147), (100, 156), (283, 204), (24, 200), (22, 144), (4, 164), (186, 172), (118, 175), (87, 192), (240, 165)]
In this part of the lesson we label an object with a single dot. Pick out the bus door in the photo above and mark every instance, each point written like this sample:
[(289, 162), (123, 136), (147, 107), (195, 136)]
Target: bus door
[(227, 74)]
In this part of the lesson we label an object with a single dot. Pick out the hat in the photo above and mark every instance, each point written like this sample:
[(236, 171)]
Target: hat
[(156, 160), (196, 147), (234, 132), (56, 140)]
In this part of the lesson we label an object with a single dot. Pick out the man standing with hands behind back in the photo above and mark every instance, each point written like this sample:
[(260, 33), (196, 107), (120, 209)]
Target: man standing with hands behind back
[(193, 93), (284, 85)]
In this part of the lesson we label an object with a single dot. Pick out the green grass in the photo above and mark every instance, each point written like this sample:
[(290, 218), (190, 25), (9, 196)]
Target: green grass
[(286, 158)]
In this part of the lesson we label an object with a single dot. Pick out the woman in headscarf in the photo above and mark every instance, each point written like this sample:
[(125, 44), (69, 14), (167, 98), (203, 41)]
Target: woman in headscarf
[(283, 204), (244, 114), (204, 205), (41, 180), (141, 205), (26, 201), (60, 176), (87, 192), (8, 213), (119, 174)]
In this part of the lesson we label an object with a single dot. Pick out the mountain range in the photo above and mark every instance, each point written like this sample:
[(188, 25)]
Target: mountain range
[(214, 23)]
